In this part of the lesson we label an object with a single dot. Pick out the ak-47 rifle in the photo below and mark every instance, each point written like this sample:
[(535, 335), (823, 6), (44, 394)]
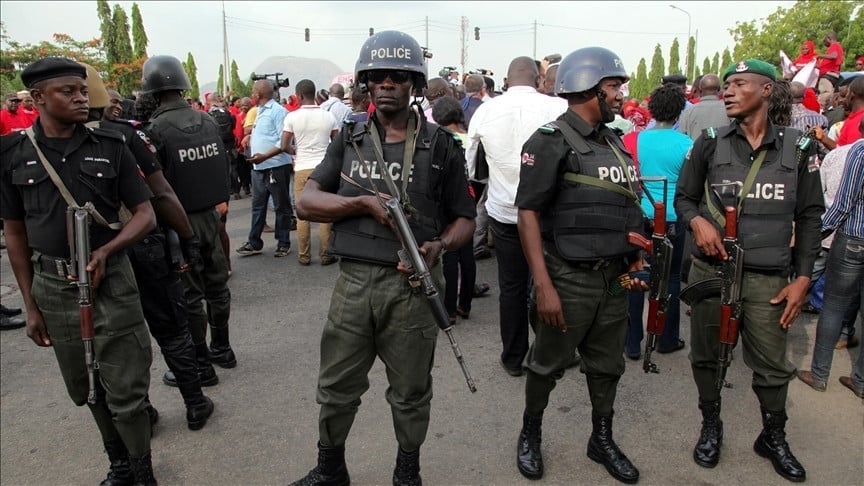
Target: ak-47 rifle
[(660, 249), (731, 276), (78, 234)]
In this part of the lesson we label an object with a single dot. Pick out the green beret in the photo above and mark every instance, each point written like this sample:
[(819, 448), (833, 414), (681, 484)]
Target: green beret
[(754, 66), (51, 67)]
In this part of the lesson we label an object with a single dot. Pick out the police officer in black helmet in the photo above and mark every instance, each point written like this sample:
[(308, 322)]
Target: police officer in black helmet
[(373, 311), (193, 155), (575, 198)]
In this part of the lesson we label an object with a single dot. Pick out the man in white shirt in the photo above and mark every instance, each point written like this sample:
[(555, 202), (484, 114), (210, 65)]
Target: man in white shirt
[(502, 125), (335, 104), (306, 134)]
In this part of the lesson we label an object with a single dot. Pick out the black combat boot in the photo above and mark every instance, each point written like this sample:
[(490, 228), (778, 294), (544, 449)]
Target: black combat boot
[(707, 450), (330, 471), (407, 471), (120, 472), (772, 444), (221, 353), (198, 406), (602, 449), (529, 460), (142, 470)]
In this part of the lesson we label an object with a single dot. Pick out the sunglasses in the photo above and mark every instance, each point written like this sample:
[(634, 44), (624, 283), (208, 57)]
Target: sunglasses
[(14, 101), (397, 77)]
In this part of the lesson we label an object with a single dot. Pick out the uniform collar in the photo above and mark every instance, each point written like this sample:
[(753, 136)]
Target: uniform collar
[(170, 106), (584, 129), (81, 134), (770, 140)]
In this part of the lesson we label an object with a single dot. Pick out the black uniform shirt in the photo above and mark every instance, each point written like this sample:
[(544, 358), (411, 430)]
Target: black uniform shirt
[(94, 164), (138, 141), (455, 197), (809, 204)]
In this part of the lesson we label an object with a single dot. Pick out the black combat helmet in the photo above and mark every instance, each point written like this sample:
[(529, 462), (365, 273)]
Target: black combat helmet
[(583, 69), (395, 51), (163, 73)]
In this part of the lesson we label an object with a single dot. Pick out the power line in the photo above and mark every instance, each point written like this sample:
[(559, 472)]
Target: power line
[(607, 31)]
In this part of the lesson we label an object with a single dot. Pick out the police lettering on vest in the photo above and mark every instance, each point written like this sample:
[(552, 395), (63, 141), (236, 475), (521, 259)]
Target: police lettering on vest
[(198, 153), (359, 170), (391, 53), (615, 174)]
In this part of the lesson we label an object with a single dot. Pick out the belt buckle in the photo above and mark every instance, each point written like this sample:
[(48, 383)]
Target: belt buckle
[(60, 267), (600, 264)]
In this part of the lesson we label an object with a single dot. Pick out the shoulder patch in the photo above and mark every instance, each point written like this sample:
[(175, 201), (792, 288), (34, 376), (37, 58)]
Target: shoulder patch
[(108, 133), (548, 128), (709, 133)]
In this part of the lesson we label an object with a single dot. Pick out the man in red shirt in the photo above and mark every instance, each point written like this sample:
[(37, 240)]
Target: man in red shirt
[(27, 105), (855, 106), (11, 118), (829, 65)]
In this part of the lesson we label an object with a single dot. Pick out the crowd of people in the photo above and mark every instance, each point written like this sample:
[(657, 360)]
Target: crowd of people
[(556, 176)]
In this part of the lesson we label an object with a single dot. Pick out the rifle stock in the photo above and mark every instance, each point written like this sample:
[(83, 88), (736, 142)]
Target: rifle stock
[(78, 231), (411, 257)]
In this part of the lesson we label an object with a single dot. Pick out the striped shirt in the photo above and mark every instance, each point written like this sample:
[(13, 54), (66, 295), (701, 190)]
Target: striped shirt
[(804, 119), (846, 215)]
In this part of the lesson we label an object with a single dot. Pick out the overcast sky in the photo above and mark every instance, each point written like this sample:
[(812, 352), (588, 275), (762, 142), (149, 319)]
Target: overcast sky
[(257, 30)]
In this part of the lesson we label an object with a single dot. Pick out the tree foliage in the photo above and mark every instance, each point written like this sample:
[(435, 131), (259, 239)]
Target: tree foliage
[(139, 36), (192, 74), (122, 72), (787, 28), (658, 68), (675, 58), (639, 84), (220, 80), (726, 60), (715, 63), (238, 87), (706, 66), (691, 56)]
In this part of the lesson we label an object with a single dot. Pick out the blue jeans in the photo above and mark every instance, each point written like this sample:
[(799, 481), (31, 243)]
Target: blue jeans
[(265, 183), (844, 290), (669, 338)]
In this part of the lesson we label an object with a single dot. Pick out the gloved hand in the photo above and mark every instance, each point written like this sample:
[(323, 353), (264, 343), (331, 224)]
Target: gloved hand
[(191, 249)]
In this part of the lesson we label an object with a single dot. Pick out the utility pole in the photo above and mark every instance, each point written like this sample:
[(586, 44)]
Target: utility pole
[(464, 39), (226, 71), (426, 45), (535, 39)]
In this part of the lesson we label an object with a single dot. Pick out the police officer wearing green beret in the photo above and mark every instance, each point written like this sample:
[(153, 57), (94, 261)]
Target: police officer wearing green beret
[(784, 193), (374, 312), (577, 202), (96, 167)]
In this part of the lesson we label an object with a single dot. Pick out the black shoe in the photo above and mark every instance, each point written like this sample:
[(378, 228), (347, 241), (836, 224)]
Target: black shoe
[(120, 471), (482, 254), (407, 470), (9, 311), (223, 358), (481, 289), (529, 459), (678, 347), (8, 323), (512, 371), (330, 471), (772, 444), (197, 415), (208, 377), (707, 450), (602, 449), (142, 470)]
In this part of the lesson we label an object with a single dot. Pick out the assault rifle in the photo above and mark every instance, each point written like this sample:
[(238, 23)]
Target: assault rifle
[(411, 257), (78, 234), (731, 275), (660, 249)]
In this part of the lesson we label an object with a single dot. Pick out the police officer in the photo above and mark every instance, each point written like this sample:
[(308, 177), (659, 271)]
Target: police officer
[(96, 167), (193, 156), (159, 284), (785, 191), (577, 202), (373, 311)]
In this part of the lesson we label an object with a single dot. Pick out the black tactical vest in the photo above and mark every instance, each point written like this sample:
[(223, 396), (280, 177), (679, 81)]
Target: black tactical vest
[(589, 222), (766, 217), (363, 238), (196, 160)]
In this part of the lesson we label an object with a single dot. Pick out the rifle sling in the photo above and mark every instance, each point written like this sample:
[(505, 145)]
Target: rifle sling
[(64, 191), (748, 183)]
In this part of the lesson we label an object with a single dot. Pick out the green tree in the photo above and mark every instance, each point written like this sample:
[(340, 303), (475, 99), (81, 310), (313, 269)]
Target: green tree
[(674, 58), (139, 36), (639, 80), (220, 81), (122, 70), (658, 69), (192, 74), (238, 87), (726, 60), (106, 29), (706, 66), (696, 73), (715, 63), (691, 56), (787, 28)]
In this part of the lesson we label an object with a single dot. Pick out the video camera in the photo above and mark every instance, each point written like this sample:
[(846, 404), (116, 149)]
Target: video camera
[(482, 72), (446, 71), (277, 83)]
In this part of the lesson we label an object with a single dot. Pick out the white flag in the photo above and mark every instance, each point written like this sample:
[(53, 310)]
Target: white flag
[(808, 75), (786, 64)]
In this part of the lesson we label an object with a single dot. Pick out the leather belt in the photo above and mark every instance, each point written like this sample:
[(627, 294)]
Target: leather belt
[(54, 265)]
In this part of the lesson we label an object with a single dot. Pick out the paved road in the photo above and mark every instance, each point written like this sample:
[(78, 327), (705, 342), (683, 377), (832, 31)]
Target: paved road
[(265, 425)]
